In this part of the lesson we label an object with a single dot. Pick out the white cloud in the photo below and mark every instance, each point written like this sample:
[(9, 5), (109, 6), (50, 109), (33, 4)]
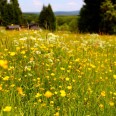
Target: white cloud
[(37, 3), (74, 4)]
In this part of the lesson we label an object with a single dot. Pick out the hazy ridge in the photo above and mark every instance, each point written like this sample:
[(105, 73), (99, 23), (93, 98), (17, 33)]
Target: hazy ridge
[(58, 12)]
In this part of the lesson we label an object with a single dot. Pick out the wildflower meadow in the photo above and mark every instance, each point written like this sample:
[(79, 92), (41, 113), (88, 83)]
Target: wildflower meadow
[(57, 74)]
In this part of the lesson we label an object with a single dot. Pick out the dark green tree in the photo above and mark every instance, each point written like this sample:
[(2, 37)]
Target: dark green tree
[(90, 16), (98, 16), (3, 10), (10, 12), (47, 18), (17, 13), (108, 23)]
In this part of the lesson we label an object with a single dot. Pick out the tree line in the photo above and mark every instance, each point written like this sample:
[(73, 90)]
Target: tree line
[(96, 16)]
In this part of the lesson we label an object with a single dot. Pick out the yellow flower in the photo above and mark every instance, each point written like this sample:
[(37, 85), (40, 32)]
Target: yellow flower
[(51, 102), (77, 60), (70, 66), (62, 68), (12, 53), (48, 94), (17, 48), (6, 78), (38, 95), (101, 105), (57, 114), (69, 87), (20, 91), (4, 64), (114, 76), (92, 66), (103, 93), (111, 103), (67, 79), (52, 74), (7, 109), (23, 52), (12, 85), (0, 87), (62, 93), (31, 59)]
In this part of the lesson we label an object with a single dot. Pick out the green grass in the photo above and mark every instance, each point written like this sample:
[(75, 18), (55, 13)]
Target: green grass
[(60, 74)]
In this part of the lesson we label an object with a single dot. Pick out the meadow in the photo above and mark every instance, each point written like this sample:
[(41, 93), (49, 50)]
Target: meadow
[(57, 74)]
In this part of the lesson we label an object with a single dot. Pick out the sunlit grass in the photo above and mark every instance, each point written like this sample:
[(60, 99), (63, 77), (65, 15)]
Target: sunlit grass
[(57, 74)]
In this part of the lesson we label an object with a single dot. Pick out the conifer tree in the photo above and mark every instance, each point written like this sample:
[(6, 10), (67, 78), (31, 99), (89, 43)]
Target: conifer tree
[(108, 23), (3, 10), (47, 18), (94, 16), (17, 14), (10, 13)]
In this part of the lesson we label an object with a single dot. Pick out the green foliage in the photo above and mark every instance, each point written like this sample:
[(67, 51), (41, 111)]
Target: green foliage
[(67, 23), (47, 18), (30, 17), (98, 16), (108, 17), (10, 12), (90, 16)]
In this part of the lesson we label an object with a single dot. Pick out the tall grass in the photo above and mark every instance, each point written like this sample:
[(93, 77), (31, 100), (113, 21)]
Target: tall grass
[(57, 74)]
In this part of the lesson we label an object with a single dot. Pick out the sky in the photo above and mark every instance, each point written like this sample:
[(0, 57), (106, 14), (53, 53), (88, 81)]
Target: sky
[(57, 5)]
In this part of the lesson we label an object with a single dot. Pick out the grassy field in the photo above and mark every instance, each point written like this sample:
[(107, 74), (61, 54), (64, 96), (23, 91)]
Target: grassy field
[(57, 74)]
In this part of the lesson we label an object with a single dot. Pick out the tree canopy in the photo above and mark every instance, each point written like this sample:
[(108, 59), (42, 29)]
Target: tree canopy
[(47, 19), (98, 16), (10, 12)]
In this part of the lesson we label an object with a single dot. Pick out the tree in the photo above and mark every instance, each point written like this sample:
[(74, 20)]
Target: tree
[(17, 13), (3, 4), (108, 23), (94, 16), (47, 18), (10, 12), (90, 16)]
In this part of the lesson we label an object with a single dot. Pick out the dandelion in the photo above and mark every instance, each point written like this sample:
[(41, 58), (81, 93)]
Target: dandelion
[(56, 92), (67, 79), (69, 87), (62, 93), (57, 114), (52, 74), (73, 81), (92, 66), (4, 64), (114, 76), (77, 60), (7, 109), (62, 68), (0, 87), (12, 53), (17, 48), (37, 95), (68, 71), (20, 91), (111, 103), (48, 94), (103, 93), (101, 105), (13, 85), (6, 78), (23, 52)]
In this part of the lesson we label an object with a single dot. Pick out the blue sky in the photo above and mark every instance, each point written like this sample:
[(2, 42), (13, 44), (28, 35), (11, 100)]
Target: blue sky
[(57, 5)]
